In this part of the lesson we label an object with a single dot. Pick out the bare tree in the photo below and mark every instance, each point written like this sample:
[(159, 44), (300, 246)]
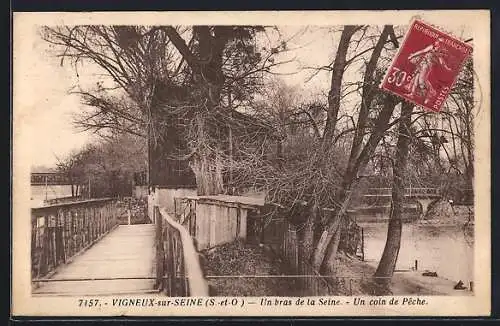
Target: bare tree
[(387, 263), (327, 246), (170, 74)]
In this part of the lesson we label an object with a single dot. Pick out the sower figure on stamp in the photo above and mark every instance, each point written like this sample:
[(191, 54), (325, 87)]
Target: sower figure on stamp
[(424, 60)]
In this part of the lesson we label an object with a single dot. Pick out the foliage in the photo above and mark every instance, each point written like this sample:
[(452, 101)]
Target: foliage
[(106, 169)]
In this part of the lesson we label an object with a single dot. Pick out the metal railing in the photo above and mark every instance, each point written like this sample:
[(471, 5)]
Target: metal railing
[(61, 231), (178, 269)]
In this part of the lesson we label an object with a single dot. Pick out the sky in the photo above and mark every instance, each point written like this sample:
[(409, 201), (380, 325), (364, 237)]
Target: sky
[(48, 123)]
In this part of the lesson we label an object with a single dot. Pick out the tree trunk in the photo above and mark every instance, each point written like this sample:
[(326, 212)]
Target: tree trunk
[(328, 266), (336, 83), (307, 234), (208, 174), (328, 244), (387, 263), (350, 179), (206, 65), (368, 92), (329, 232)]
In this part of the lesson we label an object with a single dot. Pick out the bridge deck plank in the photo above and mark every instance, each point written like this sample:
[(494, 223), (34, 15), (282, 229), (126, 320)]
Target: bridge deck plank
[(127, 251)]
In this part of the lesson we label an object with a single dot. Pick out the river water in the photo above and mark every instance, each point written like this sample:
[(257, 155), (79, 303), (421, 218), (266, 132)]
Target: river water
[(445, 249)]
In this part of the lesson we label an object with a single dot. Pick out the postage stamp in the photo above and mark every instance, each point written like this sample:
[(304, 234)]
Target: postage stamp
[(427, 65), (249, 164)]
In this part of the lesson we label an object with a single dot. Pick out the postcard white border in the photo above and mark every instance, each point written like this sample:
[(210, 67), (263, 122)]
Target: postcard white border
[(478, 21)]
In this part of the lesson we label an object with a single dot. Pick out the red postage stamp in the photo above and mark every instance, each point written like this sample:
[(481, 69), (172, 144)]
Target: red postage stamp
[(426, 66)]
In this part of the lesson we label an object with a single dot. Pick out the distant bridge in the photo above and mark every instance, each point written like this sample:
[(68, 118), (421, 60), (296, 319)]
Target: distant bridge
[(49, 178), (423, 196)]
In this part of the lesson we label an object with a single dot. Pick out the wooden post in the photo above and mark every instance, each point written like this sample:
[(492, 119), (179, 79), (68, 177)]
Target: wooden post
[(362, 244), (87, 225), (168, 258), (128, 216), (192, 218), (296, 249), (416, 265), (45, 250), (261, 228), (53, 229), (160, 256), (231, 190), (238, 221)]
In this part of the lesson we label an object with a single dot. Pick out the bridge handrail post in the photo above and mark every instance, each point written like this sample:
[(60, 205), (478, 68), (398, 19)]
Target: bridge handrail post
[(160, 254), (194, 283)]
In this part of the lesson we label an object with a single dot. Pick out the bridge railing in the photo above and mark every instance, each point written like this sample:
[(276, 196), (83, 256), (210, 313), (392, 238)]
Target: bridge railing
[(410, 191), (178, 269), (60, 200), (61, 231)]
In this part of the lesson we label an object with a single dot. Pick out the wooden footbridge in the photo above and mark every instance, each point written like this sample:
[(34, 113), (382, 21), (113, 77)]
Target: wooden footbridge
[(79, 248)]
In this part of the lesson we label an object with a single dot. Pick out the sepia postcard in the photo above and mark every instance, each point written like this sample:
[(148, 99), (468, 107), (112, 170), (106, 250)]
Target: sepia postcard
[(298, 163)]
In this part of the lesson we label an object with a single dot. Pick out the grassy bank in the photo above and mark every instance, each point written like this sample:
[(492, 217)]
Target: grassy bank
[(239, 269)]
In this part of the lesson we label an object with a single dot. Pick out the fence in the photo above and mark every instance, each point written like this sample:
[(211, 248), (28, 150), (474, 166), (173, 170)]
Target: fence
[(410, 191), (308, 281), (272, 232), (312, 284), (61, 231), (178, 270), (214, 220), (282, 236)]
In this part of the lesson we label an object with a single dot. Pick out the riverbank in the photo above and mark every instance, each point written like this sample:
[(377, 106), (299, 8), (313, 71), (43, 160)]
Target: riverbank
[(438, 245), (402, 283), (239, 269)]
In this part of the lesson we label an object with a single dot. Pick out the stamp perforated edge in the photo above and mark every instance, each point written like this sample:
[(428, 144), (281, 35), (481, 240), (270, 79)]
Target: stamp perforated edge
[(442, 30)]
